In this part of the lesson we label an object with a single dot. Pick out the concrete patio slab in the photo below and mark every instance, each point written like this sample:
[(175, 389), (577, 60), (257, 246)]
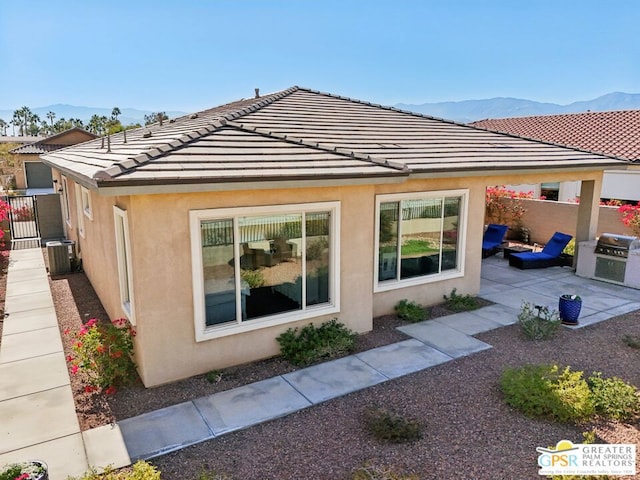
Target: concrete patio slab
[(32, 375), (499, 313), (403, 358), (163, 431), (30, 344), (37, 418), (334, 379), (446, 339), (30, 301), (249, 405), (105, 447), (468, 322), (19, 322), (64, 456), (513, 297)]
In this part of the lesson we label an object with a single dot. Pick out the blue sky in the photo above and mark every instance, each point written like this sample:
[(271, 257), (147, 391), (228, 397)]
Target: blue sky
[(194, 54)]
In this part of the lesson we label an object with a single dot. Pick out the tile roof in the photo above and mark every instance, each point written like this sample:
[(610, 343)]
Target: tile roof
[(303, 134), (615, 133), (50, 144)]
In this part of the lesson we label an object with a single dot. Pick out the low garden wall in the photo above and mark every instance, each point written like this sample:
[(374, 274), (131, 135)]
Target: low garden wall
[(544, 217)]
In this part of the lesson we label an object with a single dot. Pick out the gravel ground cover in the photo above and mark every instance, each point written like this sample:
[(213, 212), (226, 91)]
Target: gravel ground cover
[(468, 431)]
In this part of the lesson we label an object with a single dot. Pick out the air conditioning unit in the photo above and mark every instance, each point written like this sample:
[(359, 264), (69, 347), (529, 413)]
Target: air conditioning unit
[(61, 256)]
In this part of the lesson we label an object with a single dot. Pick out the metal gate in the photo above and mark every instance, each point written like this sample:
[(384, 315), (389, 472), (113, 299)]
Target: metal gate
[(23, 220)]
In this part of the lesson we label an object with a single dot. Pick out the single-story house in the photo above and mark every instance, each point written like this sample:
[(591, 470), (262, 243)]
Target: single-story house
[(35, 175), (613, 133), (215, 232)]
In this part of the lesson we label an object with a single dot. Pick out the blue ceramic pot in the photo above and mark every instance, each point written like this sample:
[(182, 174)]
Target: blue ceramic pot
[(569, 309)]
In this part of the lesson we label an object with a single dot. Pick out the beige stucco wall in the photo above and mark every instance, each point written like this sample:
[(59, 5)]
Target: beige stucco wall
[(166, 349)]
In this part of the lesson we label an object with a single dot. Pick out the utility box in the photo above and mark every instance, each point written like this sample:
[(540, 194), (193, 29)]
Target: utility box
[(61, 256)]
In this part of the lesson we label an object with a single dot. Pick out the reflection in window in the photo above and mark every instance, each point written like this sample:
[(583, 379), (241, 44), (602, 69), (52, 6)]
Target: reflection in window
[(428, 232), (263, 265)]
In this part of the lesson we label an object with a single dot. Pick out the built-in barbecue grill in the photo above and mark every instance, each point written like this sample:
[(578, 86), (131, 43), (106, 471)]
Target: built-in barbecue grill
[(616, 245)]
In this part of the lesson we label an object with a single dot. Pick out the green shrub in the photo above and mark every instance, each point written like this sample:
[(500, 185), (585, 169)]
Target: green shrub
[(410, 311), (548, 391), (208, 475), (376, 472), (141, 471), (311, 343), (389, 426), (632, 341), (613, 398), (460, 303), (253, 278), (213, 376), (537, 322)]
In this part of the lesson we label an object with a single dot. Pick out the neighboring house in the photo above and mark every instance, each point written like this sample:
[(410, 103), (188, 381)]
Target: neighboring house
[(32, 174), (215, 232), (615, 134)]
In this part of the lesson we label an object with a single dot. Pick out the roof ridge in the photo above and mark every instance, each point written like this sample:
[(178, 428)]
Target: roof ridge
[(218, 122), (319, 146), (549, 115), (384, 107)]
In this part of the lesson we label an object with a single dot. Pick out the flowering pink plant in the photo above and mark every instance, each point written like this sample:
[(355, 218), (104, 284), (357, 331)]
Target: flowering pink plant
[(631, 217), (5, 208), (505, 206), (23, 471), (103, 352)]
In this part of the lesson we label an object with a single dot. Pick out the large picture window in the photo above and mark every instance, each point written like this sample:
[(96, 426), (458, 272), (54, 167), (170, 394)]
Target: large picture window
[(263, 266), (419, 237)]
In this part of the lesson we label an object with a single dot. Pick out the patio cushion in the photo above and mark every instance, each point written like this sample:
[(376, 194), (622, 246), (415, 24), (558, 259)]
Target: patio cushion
[(548, 257), (492, 239)]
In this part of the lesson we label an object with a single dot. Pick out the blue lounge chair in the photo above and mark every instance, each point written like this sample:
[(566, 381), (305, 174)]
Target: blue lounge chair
[(548, 257), (492, 239)]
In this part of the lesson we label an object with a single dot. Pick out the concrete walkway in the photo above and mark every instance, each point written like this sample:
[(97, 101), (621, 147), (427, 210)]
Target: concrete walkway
[(36, 398)]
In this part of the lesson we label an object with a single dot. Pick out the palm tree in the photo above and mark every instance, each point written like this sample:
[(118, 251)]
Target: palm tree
[(51, 116), (3, 126)]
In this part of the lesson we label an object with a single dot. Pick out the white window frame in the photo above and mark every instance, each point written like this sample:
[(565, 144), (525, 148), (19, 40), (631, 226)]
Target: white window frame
[(387, 285), (65, 199), (79, 210), (85, 195), (203, 332), (123, 256)]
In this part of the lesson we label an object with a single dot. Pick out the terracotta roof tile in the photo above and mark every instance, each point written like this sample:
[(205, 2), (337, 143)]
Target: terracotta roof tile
[(614, 133)]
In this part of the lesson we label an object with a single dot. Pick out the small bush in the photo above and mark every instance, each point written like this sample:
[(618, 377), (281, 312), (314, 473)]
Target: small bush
[(460, 303), (103, 354), (410, 311), (213, 376), (376, 472), (389, 426), (632, 341), (613, 398), (311, 343), (548, 391), (208, 475), (141, 471), (537, 322)]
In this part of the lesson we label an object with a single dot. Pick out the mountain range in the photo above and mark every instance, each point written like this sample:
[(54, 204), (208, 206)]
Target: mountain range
[(463, 111), (503, 107)]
